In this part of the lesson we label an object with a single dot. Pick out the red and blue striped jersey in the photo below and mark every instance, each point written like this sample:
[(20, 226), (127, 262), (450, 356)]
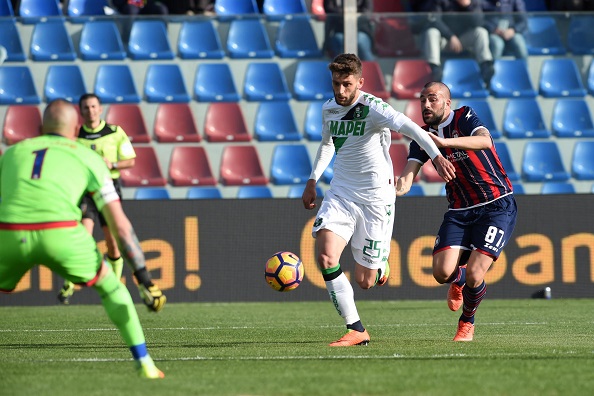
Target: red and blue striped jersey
[(480, 177)]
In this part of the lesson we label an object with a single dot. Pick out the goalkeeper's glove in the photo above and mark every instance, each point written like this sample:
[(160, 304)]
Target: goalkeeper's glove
[(152, 297)]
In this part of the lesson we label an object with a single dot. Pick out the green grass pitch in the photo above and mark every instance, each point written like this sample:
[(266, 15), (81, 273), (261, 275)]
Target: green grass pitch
[(521, 347)]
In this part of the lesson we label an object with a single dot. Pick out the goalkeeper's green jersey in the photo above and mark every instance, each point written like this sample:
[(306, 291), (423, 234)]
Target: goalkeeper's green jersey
[(43, 180)]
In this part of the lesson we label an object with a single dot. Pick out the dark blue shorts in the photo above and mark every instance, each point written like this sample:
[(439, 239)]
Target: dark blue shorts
[(485, 228)]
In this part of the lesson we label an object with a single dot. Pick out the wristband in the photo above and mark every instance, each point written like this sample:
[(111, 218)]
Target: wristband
[(114, 165)]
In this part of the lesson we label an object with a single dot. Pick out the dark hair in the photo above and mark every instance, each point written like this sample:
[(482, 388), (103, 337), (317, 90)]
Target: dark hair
[(346, 64), (441, 85), (87, 96)]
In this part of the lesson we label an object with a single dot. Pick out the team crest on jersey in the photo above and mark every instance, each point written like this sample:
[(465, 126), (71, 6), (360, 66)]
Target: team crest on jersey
[(455, 134), (318, 222), (360, 112)]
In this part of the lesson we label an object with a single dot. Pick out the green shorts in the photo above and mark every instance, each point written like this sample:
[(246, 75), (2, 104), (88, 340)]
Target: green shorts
[(70, 252)]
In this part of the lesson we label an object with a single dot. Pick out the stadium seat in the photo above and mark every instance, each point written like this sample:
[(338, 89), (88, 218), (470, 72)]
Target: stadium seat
[(580, 35), (560, 78), (101, 40), (275, 122), (394, 38), (265, 81), (224, 122), (165, 83), (199, 40), (64, 81), (82, 10), (536, 5), (51, 42), (290, 164), (522, 118), (33, 11), (542, 36), (375, 83), (388, 6), (240, 165), (146, 170), (114, 84), (591, 78), (189, 166), (203, 193), (572, 118), (16, 86), (512, 79), (542, 162), (582, 161), (328, 172), (295, 38), (296, 191), (20, 123), (312, 127), (518, 189), (254, 192), (506, 161), (416, 190), (6, 9), (409, 77), (230, 9), (557, 188), (10, 39), (248, 38), (130, 118), (149, 40), (413, 111), (151, 193), (313, 80), (463, 77), (399, 155), (429, 173), (174, 123), (214, 83), (276, 10), (483, 110)]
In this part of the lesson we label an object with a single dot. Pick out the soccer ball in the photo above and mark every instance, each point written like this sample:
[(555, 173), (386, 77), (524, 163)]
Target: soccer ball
[(284, 271)]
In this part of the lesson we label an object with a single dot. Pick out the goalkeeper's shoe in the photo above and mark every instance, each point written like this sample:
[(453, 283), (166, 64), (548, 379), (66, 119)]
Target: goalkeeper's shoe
[(383, 279), (351, 338), (147, 369), (66, 292), (152, 297)]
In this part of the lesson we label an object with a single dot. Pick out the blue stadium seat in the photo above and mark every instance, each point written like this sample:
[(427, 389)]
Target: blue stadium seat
[(214, 83), (11, 40), (231, 9), (204, 193), (328, 172), (275, 122), (64, 81), (463, 77), (542, 162), (290, 164), (557, 188), (254, 192), (518, 189), (81, 11), (560, 78), (522, 118), (591, 78), (101, 40), (248, 39), (280, 9), (265, 81), (483, 110), (151, 193), (506, 161), (313, 121), (165, 83), (114, 84), (313, 80), (33, 11), (572, 118), (296, 191), (542, 36), (512, 79), (416, 190), (6, 9), (149, 40), (582, 161), (580, 37), (16, 86), (536, 5), (199, 40), (295, 38), (51, 42)]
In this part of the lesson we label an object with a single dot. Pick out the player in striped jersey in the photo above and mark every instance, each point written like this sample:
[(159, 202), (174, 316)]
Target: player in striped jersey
[(482, 209)]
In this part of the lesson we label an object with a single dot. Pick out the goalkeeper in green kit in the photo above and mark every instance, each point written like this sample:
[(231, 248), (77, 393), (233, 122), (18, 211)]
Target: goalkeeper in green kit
[(42, 181)]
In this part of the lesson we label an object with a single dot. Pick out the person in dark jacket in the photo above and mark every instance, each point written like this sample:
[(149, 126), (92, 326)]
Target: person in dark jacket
[(506, 21), (334, 29)]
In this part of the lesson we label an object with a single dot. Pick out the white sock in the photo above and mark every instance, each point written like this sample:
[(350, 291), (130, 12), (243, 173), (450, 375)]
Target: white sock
[(343, 297)]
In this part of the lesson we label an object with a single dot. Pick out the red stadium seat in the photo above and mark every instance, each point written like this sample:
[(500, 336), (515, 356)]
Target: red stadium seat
[(129, 117), (409, 77), (189, 166), (240, 165), (429, 173), (388, 6), (146, 170), (224, 122), (375, 83), (413, 111), (393, 38), (175, 122), (21, 122), (399, 154)]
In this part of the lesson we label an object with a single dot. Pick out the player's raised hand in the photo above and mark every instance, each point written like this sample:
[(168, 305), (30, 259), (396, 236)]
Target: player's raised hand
[(309, 195), (152, 297), (444, 168)]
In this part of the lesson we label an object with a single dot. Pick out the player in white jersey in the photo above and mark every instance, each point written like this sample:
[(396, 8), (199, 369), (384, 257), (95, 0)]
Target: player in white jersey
[(359, 206)]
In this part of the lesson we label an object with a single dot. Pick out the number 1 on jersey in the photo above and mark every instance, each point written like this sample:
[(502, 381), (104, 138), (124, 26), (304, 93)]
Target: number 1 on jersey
[(39, 156)]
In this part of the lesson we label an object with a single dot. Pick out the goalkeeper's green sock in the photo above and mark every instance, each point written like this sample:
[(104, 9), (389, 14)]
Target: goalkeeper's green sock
[(116, 264)]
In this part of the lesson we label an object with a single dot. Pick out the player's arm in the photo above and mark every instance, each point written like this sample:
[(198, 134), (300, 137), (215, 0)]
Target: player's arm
[(321, 162), (121, 164), (479, 140), (407, 177)]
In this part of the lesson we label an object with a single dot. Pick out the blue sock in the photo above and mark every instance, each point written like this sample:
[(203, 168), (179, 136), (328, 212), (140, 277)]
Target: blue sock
[(139, 351)]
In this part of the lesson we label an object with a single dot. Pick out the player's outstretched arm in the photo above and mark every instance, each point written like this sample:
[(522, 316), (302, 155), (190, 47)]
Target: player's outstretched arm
[(309, 194), (407, 177)]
